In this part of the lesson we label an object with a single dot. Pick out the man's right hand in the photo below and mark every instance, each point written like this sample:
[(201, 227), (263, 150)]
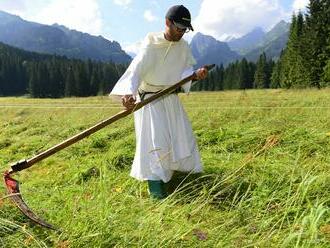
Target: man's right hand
[(128, 101)]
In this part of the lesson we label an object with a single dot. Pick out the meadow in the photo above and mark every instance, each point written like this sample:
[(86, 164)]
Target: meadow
[(266, 155)]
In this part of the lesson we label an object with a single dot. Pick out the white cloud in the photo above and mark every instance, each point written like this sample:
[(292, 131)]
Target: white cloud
[(236, 18), (133, 48), (14, 7), (149, 16), (299, 5), (85, 17), (124, 3)]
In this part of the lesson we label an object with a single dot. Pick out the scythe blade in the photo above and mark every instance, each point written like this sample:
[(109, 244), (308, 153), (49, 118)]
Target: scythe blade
[(12, 186)]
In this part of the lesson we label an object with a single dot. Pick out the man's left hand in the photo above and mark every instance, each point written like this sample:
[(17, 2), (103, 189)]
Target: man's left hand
[(201, 73)]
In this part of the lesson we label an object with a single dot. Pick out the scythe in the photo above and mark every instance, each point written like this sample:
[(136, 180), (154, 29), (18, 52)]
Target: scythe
[(12, 185)]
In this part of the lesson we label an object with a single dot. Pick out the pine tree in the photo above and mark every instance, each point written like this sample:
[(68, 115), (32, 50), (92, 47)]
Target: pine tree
[(211, 81), (326, 75), (298, 71), (270, 66), (70, 84), (110, 76), (43, 78), (206, 84), (236, 75), (325, 78), (243, 74), (33, 81), (293, 63), (260, 76), (318, 22), (251, 72), (219, 77), (89, 69), (81, 79), (7, 76), (229, 77), (94, 84), (1, 78), (275, 76), (56, 88)]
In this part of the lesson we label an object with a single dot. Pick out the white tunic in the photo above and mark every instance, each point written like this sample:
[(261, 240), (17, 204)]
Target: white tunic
[(164, 137)]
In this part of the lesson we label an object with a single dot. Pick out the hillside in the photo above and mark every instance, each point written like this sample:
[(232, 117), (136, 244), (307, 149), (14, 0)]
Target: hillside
[(208, 50), (57, 39), (247, 42), (272, 43)]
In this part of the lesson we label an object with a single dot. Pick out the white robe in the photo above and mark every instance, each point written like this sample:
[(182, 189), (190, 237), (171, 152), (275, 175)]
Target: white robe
[(164, 137)]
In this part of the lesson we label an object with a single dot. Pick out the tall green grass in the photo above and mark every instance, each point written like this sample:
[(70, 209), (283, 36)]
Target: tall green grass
[(265, 184)]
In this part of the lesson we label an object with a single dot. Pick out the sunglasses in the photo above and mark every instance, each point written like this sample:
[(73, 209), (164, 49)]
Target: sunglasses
[(179, 29)]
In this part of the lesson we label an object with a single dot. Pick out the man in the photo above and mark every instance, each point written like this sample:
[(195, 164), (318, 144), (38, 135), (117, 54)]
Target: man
[(164, 139)]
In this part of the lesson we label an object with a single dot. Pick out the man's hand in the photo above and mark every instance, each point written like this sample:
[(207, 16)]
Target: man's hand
[(201, 73), (128, 101)]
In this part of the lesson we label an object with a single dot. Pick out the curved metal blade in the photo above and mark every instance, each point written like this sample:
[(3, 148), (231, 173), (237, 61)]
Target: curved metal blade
[(12, 186)]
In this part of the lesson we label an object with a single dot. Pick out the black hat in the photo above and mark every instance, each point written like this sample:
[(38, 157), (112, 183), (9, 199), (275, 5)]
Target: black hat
[(180, 15)]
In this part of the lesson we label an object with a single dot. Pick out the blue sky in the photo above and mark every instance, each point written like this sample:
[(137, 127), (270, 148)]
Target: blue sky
[(128, 21)]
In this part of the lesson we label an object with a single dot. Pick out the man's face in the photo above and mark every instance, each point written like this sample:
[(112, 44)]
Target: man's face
[(173, 33)]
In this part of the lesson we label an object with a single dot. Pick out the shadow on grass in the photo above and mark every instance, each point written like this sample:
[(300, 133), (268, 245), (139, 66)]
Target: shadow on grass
[(215, 188)]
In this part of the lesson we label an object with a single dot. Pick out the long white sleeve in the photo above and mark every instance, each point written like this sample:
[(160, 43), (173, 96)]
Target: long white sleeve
[(187, 72), (130, 80), (190, 62)]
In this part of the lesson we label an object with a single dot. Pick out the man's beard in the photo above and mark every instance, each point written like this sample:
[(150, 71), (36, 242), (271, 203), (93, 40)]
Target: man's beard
[(177, 37)]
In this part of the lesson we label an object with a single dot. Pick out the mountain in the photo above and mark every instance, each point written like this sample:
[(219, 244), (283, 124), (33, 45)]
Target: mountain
[(247, 42), (273, 43), (208, 50), (229, 38), (57, 39), (133, 55), (279, 30), (257, 41)]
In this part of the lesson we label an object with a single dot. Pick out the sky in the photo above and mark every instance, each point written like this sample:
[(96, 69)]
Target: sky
[(128, 21)]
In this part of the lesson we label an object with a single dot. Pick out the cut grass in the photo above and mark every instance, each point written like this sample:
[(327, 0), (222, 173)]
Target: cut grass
[(266, 180)]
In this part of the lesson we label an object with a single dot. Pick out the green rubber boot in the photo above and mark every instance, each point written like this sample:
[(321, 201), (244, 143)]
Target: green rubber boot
[(156, 189)]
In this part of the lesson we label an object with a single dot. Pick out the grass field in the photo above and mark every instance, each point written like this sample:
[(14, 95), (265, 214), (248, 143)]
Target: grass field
[(266, 156)]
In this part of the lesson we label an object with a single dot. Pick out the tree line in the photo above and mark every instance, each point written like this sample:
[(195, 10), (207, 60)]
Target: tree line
[(54, 76), (239, 75)]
